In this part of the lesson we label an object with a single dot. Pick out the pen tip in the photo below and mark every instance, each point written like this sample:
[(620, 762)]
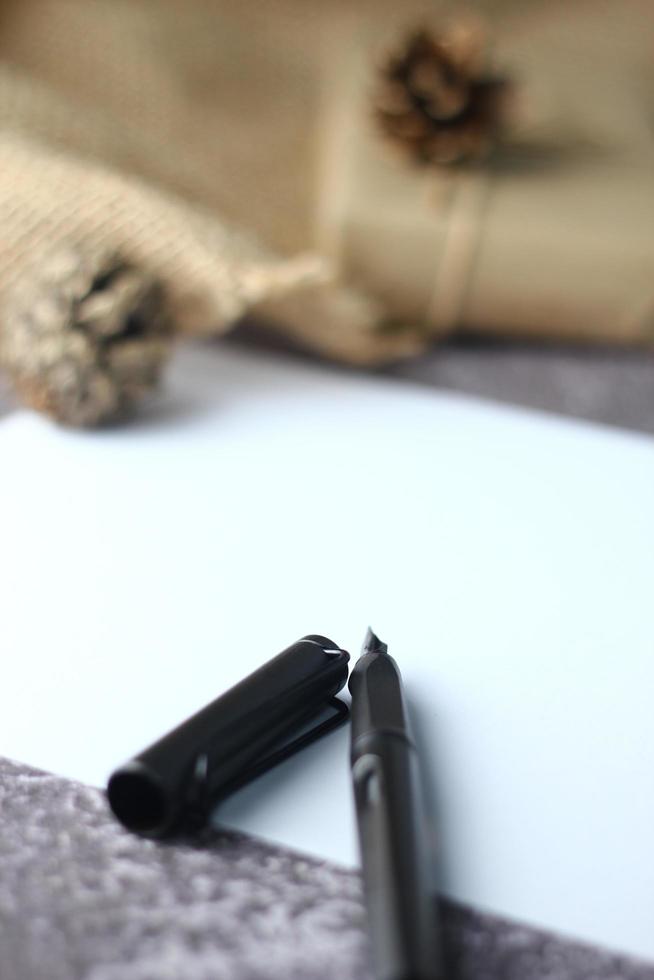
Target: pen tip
[(372, 643)]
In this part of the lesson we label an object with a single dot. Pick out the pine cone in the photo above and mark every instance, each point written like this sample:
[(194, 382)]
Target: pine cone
[(85, 336), (436, 100)]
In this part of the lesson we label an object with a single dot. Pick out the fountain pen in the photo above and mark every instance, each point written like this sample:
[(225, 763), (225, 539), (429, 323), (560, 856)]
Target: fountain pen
[(395, 856)]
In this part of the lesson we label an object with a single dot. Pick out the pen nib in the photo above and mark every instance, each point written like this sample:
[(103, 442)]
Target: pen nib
[(372, 644)]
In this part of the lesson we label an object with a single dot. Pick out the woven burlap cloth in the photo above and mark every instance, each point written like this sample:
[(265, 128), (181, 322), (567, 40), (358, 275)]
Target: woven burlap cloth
[(205, 139)]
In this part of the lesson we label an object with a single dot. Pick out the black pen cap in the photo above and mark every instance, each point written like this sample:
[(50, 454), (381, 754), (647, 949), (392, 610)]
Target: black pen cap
[(203, 758)]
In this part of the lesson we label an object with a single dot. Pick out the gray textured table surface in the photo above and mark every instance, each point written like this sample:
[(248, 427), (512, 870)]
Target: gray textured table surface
[(80, 899), (615, 387)]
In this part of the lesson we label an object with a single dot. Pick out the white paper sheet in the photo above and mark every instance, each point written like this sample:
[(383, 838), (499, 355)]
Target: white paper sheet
[(507, 558)]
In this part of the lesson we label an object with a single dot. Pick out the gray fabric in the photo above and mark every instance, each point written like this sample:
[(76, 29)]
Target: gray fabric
[(607, 385), (5, 397), (611, 385), (82, 898)]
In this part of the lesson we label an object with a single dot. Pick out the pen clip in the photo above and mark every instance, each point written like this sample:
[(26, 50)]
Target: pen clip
[(199, 803), (338, 714)]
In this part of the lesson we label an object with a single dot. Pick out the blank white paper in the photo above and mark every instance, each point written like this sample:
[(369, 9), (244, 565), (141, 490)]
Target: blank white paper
[(507, 558)]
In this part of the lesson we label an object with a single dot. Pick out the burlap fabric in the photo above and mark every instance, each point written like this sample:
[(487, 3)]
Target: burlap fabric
[(141, 126)]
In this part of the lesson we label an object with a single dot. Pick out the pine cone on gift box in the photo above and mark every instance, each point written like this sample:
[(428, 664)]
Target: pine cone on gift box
[(85, 335), (437, 101)]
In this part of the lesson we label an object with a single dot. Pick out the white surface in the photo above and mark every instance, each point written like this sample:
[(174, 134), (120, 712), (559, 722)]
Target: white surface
[(507, 559)]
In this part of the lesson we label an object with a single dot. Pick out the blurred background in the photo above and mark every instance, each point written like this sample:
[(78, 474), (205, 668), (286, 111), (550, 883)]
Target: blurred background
[(457, 194)]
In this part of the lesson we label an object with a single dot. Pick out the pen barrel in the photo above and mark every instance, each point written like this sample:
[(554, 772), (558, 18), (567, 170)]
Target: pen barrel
[(194, 764), (396, 860)]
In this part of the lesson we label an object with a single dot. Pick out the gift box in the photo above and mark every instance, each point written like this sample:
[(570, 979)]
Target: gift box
[(551, 234)]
